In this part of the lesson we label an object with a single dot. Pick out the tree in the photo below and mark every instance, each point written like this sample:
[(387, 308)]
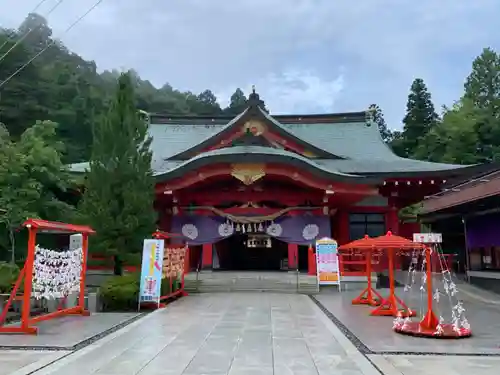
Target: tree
[(207, 103), (119, 190), (32, 178), (482, 89), (420, 118), (454, 140), (238, 103), (378, 118), (21, 97), (37, 31)]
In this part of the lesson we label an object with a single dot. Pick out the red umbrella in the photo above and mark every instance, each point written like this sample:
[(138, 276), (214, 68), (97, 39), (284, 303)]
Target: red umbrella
[(368, 296), (391, 241), (362, 243)]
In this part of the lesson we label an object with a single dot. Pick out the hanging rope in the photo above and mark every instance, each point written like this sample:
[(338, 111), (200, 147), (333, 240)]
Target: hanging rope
[(251, 219)]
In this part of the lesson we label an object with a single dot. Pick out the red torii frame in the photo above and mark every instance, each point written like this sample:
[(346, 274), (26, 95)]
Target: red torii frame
[(27, 322)]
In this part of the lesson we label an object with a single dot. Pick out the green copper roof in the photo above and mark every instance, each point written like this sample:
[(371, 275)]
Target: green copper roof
[(351, 138), (252, 154)]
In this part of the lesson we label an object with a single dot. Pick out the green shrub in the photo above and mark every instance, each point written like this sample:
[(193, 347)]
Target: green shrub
[(8, 276), (132, 259), (120, 293)]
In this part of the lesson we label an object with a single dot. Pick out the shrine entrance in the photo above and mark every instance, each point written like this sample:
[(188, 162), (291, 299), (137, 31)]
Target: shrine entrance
[(248, 252)]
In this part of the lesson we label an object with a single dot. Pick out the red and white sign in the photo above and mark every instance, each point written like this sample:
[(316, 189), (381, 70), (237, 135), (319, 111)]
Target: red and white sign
[(428, 237)]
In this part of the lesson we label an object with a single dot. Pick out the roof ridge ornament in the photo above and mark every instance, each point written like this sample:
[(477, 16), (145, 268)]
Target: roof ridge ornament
[(254, 100)]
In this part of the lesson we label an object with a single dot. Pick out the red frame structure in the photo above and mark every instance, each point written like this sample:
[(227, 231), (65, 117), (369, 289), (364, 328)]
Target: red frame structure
[(159, 235), (428, 325), (392, 305), (26, 326)]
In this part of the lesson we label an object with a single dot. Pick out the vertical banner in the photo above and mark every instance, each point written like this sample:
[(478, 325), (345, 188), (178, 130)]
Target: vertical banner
[(151, 271), (327, 262)]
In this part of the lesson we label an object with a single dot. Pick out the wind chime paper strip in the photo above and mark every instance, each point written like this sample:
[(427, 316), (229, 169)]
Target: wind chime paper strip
[(151, 271)]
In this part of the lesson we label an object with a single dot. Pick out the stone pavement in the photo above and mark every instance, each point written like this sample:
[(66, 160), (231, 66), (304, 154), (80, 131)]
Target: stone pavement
[(264, 334), (22, 362), (432, 365), (67, 333), (375, 335), (221, 334)]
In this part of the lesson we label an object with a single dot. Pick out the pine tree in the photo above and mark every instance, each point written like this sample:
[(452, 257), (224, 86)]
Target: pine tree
[(378, 118), (238, 103), (119, 190), (420, 118)]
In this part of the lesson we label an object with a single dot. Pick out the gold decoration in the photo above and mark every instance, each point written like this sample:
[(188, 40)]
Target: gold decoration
[(309, 154), (248, 173), (254, 127)]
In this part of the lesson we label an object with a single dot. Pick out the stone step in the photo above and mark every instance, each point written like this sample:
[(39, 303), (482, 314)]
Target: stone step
[(203, 287)]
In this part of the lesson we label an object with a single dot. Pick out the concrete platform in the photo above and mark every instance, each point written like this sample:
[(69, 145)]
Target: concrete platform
[(68, 333), (374, 335)]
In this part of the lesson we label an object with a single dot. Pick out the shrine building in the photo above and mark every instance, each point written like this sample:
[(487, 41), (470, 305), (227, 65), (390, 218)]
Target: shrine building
[(253, 192)]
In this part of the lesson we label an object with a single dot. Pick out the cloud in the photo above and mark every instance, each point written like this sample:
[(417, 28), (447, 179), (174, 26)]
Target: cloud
[(303, 55), (294, 91)]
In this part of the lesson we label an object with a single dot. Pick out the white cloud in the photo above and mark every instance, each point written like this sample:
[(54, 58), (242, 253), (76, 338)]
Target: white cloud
[(293, 91)]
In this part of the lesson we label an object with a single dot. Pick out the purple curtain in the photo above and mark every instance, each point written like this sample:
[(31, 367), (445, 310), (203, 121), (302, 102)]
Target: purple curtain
[(302, 230), (483, 231)]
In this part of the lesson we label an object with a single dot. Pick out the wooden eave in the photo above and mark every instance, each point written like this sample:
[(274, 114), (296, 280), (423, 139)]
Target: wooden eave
[(472, 190)]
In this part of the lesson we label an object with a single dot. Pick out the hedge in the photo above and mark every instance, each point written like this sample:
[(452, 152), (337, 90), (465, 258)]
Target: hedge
[(121, 293)]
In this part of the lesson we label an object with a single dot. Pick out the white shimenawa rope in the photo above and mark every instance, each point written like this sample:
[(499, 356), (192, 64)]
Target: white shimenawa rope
[(96, 4), (26, 34), (32, 11)]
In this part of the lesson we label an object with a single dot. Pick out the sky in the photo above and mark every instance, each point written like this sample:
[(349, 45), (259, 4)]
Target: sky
[(303, 56)]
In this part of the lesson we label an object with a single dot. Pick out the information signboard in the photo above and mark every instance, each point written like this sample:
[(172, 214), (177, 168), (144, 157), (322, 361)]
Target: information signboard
[(151, 271), (327, 262), (428, 237)]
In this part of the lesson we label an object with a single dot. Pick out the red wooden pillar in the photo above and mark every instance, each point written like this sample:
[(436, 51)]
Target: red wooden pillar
[(392, 219), (206, 256), (343, 227), (311, 261), (293, 255), (392, 224), (187, 260)]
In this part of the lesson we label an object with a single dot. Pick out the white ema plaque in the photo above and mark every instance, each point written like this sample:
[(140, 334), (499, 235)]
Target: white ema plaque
[(428, 237)]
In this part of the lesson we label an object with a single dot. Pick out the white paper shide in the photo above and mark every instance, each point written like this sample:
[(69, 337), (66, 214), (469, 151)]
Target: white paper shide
[(56, 273)]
